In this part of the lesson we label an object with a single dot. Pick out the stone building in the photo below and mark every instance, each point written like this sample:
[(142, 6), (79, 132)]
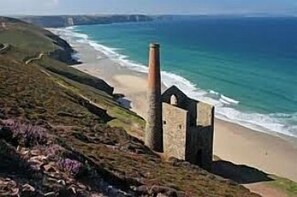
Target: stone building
[(178, 126), (187, 128)]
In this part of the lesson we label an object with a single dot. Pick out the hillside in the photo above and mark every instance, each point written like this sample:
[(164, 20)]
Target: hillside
[(62, 133), (64, 21)]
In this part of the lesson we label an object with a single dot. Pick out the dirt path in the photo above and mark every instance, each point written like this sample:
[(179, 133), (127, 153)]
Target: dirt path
[(34, 58)]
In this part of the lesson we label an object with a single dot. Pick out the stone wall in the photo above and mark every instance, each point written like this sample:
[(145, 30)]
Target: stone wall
[(199, 147), (205, 114), (200, 138), (175, 125), (188, 129)]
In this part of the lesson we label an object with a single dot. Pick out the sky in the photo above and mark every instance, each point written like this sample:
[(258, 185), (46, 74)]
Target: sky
[(56, 7)]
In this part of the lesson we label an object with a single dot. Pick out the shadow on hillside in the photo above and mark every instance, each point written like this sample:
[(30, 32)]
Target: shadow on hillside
[(94, 109), (241, 174), (12, 165), (90, 106)]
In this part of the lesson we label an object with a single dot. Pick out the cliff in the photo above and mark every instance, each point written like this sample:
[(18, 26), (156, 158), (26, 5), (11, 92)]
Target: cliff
[(63, 134), (64, 21), (31, 41)]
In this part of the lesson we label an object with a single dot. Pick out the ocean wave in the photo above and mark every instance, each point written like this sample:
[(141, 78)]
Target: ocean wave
[(268, 123), (75, 56), (228, 101)]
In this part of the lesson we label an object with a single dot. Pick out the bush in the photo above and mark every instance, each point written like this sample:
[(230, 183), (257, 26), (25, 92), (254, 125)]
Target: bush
[(70, 166), (26, 134)]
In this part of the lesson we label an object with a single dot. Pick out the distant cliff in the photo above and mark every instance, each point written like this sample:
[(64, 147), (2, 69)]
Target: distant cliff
[(64, 21)]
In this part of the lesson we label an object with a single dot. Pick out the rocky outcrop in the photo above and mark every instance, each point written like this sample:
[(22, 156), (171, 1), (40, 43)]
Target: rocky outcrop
[(64, 21), (64, 52)]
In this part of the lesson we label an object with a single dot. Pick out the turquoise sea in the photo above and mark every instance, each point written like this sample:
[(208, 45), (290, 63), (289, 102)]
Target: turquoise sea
[(246, 67)]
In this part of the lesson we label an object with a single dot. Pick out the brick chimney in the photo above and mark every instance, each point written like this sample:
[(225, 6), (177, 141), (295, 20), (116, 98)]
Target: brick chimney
[(154, 127)]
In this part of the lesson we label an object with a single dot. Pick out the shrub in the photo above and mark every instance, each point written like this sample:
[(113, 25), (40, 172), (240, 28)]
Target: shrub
[(73, 167), (26, 134), (53, 151)]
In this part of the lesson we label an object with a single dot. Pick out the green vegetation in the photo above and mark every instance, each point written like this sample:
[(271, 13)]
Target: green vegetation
[(81, 115), (286, 185), (26, 37)]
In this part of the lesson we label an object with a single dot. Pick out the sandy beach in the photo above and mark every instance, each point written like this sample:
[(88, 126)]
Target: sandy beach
[(234, 143)]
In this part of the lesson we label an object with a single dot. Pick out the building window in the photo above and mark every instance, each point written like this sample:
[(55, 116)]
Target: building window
[(173, 100), (164, 122), (180, 126)]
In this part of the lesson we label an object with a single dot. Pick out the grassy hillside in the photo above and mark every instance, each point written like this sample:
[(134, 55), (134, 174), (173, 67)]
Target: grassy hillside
[(57, 134)]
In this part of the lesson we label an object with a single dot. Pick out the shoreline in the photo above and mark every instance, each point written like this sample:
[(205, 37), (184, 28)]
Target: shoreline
[(232, 142)]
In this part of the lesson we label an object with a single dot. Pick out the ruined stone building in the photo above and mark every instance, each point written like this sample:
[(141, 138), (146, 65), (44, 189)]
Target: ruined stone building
[(178, 126)]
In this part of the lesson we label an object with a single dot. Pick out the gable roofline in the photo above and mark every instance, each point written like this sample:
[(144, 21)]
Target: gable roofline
[(173, 90)]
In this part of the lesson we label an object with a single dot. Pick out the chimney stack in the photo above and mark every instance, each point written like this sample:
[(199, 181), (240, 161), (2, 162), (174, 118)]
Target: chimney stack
[(154, 126)]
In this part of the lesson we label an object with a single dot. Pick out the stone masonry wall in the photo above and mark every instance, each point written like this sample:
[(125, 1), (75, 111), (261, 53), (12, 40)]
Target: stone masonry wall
[(154, 131), (175, 125), (205, 114), (205, 123)]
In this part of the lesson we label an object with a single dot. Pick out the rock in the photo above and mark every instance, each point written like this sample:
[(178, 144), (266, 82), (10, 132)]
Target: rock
[(35, 152), (167, 191), (36, 162), (50, 167), (161, 195), (143, 189), (8, 187), (61, 182), (28, 191), (14, 191), (28, 187), (81, 186), (159, 191), (181, 163), (50, 194)]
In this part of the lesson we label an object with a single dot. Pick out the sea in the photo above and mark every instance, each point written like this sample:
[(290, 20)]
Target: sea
[(245, 66)]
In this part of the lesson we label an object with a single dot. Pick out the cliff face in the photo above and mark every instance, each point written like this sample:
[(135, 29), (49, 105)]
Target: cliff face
[(64, 51), (64, 21)]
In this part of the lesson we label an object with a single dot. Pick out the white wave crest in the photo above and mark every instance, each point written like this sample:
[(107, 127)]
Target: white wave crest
[(228, 101)]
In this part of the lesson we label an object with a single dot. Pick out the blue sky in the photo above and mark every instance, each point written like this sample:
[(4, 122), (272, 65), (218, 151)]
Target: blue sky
[(38, 7)]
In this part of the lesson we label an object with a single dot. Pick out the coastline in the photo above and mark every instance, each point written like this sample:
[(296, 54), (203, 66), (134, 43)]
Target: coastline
[(232, 142)]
